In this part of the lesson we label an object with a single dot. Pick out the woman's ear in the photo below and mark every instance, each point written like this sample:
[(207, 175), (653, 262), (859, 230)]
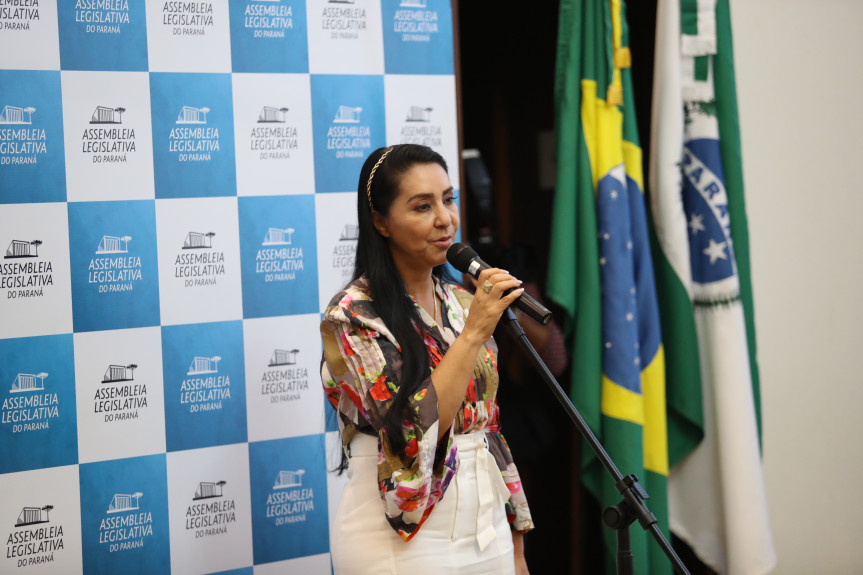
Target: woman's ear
[(380, 224)]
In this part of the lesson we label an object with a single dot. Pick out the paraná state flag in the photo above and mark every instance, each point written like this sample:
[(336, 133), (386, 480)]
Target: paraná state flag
[(716, 493)]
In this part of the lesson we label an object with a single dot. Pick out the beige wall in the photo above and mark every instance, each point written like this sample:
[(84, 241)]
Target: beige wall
[(800, 85)]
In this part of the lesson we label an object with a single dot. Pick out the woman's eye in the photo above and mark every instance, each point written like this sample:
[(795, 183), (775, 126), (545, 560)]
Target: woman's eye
[(422, 207), (450, 200)]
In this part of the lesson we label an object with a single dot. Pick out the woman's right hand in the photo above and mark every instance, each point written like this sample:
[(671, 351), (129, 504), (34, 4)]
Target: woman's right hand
[(452, 375), (488, 306)]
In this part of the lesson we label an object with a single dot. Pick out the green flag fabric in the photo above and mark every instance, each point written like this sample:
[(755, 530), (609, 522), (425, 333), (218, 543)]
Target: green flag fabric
[(732, 164), (601, 271)]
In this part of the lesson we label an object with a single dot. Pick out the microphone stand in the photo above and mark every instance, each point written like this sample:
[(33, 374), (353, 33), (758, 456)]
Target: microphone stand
[(632, 507)]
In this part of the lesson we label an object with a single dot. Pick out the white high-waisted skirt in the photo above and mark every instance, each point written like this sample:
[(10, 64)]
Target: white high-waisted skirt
[(466, 533)]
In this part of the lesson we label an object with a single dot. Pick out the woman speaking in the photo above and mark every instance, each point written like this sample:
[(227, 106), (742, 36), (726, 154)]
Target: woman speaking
[(411, 369)]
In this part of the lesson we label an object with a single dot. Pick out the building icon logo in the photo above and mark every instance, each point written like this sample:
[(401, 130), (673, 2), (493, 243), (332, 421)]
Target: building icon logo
[(287, 479), (419, 129), (107, 115), (23, 249), (124, 502), (33, 516), (114, 245), (24, 382), (33, 543), (271, 115), (202, 365), (283, 357), (189, 115), (278, 237), (210, 517), (341, 1), (116, 373), (200, 265), (419, 114), (347, 114), (284, 380), (198, 241), (350, 233), (208, 490), (273, 138), (15, 115), (413, 3), (31, 406), (345, 251)]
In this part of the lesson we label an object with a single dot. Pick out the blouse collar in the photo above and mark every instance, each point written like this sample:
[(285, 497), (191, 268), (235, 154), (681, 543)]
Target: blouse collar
[(451, 317)]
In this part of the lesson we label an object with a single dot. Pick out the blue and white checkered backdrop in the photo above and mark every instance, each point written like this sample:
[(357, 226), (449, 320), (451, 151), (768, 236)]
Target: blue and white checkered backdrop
[(177, 205)]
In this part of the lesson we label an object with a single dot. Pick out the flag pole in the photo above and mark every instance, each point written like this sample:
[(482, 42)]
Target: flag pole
[(618, 517)]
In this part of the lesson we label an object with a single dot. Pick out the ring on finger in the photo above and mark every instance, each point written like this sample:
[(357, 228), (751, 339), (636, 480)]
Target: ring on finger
[(486, 286)]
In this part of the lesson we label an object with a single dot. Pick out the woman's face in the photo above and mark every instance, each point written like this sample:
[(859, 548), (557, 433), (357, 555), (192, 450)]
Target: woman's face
[(422, 219)]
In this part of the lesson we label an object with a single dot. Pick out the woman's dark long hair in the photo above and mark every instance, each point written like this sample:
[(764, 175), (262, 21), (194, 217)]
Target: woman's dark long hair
[(374, 261)]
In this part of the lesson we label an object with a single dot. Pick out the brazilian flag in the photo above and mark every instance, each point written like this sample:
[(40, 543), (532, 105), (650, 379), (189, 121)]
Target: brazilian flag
[(601, 271)]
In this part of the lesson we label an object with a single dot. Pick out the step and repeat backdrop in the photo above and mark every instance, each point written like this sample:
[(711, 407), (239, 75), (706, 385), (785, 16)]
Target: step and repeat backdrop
[(177, 206)]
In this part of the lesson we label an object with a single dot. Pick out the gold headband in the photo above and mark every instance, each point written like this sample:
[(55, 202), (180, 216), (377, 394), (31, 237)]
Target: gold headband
[(372, 175)]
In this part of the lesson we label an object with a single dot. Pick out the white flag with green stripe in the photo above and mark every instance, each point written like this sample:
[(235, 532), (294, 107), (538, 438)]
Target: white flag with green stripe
[(717, 502)]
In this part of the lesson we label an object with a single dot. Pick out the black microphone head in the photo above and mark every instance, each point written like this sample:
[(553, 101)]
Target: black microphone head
[(460, 256)]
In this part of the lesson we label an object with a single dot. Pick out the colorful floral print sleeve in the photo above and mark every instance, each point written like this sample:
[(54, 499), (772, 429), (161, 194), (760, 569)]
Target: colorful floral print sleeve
[(360, 374)]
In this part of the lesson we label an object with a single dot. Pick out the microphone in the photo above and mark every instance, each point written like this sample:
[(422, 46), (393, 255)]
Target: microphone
[(466, 260)]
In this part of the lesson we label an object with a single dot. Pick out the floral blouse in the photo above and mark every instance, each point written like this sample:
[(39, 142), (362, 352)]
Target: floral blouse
[(360, 373)]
